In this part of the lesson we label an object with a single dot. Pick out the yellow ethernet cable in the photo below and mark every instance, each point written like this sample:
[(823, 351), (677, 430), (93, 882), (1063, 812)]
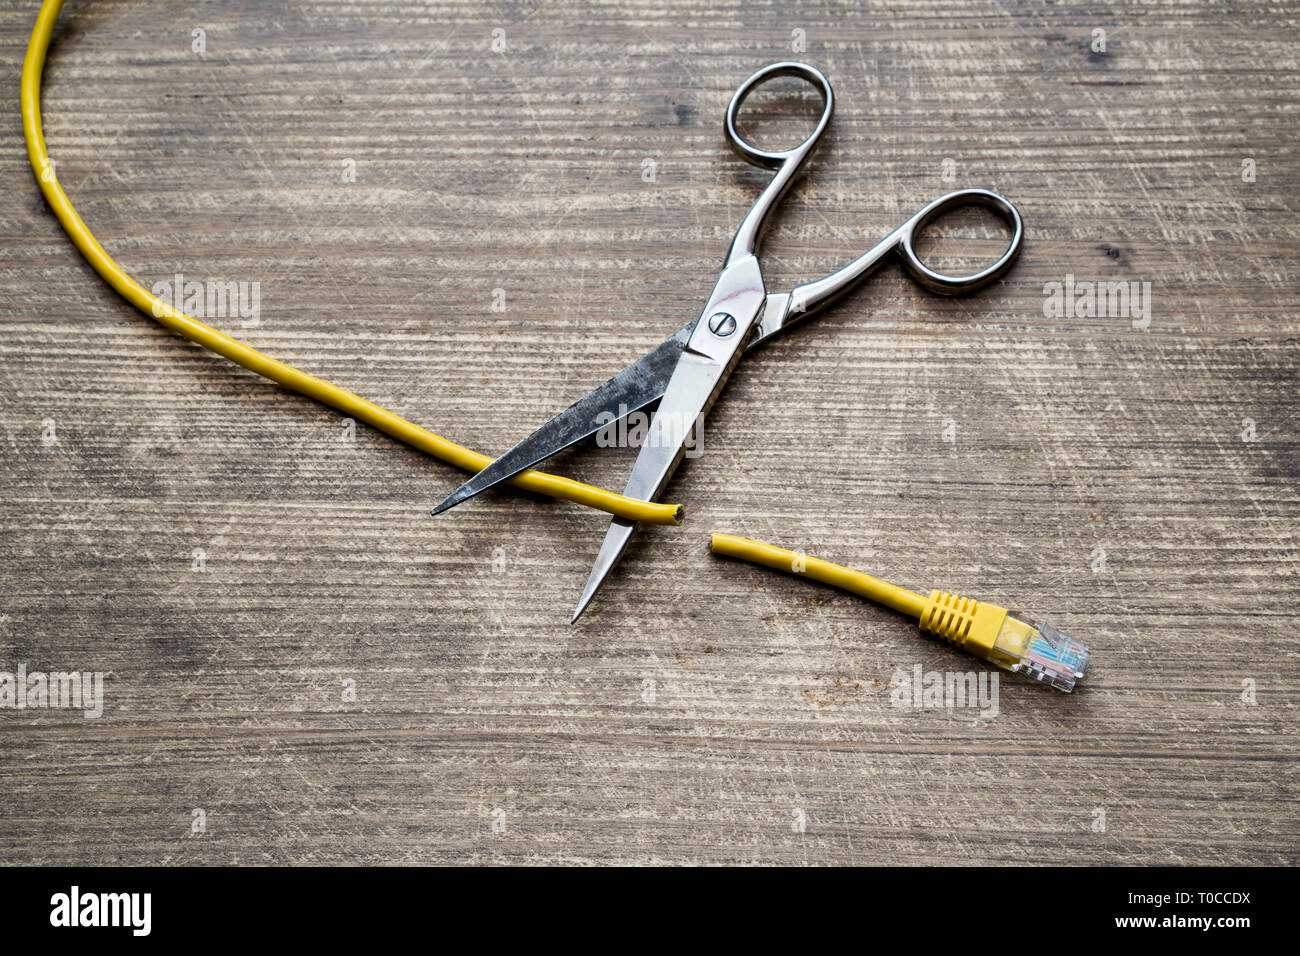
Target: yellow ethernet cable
[(253, 360), (1002, 637)]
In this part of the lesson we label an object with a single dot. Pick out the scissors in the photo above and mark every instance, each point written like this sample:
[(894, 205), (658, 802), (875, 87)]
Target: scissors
[(687, 372)]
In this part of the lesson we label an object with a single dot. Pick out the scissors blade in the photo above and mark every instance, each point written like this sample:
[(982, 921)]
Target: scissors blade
[(611, 549), (705, 364), (695, 381), (637, 386)]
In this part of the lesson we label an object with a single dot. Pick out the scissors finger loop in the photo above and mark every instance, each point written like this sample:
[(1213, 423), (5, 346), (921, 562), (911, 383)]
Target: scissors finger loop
[(770, 158), (956, 285)]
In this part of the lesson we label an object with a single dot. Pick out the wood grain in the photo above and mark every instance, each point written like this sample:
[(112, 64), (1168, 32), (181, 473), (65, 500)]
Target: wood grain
[(485, 728)]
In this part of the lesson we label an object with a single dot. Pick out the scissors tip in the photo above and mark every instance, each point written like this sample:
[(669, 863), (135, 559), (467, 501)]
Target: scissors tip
[(451, 501), (588, 592), (611, 549)]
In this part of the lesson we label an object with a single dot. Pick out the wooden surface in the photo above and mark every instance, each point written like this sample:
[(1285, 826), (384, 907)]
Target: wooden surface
[(485, 728)]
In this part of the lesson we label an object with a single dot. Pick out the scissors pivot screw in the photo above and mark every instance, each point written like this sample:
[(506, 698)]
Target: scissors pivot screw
[(722, 324)]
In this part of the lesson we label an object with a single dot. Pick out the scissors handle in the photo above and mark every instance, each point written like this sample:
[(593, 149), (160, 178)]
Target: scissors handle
[(787, 162), (957, 285), (813, 296)]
